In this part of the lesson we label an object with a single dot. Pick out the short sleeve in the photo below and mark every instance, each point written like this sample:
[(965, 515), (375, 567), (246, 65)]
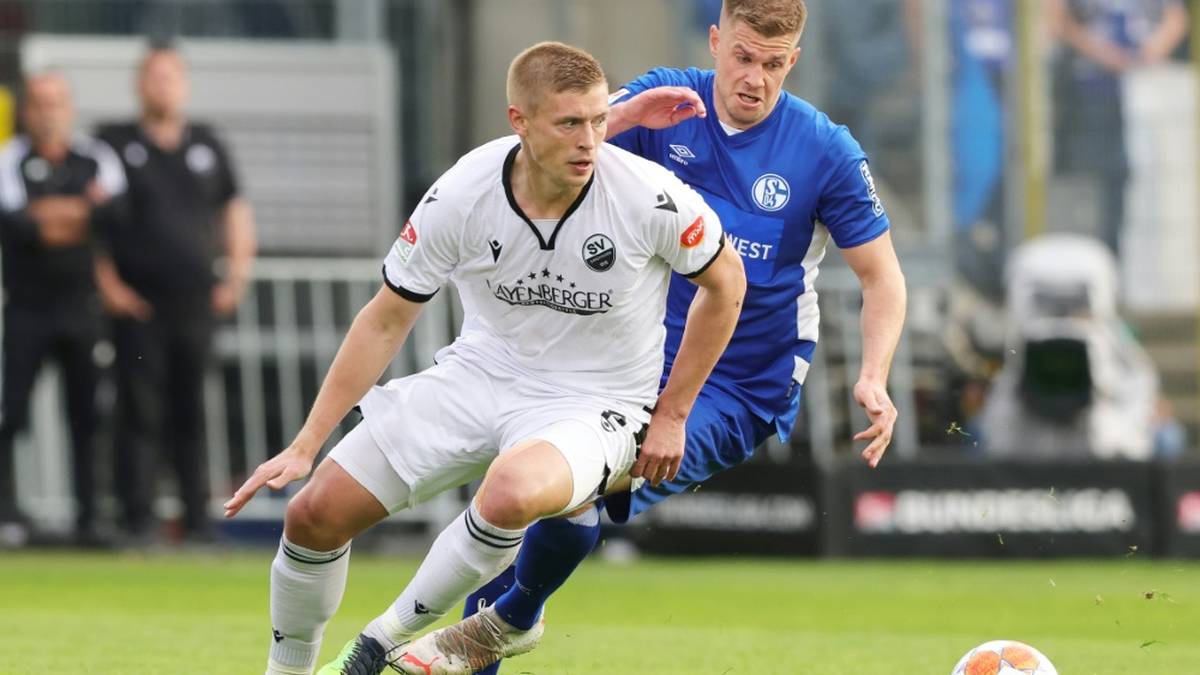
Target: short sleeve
[(227, 176), (849, 205), (426, 252), (110, 172), (689, 232)]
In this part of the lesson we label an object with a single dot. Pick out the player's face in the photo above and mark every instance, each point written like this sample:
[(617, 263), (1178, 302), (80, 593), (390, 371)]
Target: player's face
[(564, 132), (48, 113), (163, 85), (750, 71)]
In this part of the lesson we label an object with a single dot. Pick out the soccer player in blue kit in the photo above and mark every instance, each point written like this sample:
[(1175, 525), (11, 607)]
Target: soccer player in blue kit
[(784, 180)]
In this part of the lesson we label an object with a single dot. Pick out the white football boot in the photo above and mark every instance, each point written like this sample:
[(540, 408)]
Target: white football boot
[(475, 642)]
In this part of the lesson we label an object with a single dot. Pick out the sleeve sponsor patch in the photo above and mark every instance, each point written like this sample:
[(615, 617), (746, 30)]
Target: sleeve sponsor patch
[(694, 234), (876, 204), (403, 248)]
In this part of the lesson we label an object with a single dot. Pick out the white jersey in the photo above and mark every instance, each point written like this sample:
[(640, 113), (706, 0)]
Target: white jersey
[(578, 303)]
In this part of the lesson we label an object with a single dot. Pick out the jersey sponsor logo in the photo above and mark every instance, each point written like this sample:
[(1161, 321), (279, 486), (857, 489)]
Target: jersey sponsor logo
[(201, 159), (876, 204), (548, 290), (694, 234), (599, 253), (406, 242), (681, 153), (135, 155), (37, 169), (753, 250), (496, 246), (771, 192)]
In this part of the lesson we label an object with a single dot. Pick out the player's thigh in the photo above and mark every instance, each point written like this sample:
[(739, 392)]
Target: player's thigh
[(437, 429), (344, 496), (597, 442)]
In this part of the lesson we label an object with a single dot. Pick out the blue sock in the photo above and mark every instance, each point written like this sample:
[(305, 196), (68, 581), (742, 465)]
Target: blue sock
[(491, 591), (552, 549)]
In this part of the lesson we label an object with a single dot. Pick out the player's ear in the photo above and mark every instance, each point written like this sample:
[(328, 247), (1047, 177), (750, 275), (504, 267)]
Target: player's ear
[(794, 57), (517, 120), (714, 37)]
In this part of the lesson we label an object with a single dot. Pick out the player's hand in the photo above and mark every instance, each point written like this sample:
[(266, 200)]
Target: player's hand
[(226, 296), (96, 195), (120, 300), (662, 451), (663, 107), (289, 465), (62, 221), (873, 397)]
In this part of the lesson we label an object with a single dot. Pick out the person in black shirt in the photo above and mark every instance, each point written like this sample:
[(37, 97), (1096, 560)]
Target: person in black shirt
[(183, 213), (51, 185)]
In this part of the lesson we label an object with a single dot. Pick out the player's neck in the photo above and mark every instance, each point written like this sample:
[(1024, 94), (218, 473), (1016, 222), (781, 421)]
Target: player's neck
[(165, 131), (53, 150), (538, 193)]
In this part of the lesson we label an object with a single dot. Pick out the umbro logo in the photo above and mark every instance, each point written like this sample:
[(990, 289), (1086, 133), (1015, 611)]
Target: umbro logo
[(495, 246), (418, 608), (682, 151), (666, 203), (277, 635)]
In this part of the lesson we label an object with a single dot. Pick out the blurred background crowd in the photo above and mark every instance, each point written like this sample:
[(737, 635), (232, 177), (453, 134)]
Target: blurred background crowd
[(186, 276)]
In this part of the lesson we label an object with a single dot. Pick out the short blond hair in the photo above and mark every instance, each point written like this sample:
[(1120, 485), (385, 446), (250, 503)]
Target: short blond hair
[(550, 68), (769, 18)]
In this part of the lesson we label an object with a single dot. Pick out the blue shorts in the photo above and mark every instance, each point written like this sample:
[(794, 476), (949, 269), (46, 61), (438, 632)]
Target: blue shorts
[(721, 433)]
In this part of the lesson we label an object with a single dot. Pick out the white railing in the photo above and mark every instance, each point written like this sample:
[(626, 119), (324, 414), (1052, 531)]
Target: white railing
[(269, 360)]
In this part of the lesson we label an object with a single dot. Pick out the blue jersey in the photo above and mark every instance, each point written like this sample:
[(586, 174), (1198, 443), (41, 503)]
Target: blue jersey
[(782, 189)]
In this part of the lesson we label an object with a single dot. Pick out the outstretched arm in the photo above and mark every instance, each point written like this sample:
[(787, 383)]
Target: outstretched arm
[(656, 108), (372, 342), (884, 300), (710, 323)]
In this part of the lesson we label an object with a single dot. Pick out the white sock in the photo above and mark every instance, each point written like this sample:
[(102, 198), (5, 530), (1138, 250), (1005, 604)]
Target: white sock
[(467, 554), (306, 589)]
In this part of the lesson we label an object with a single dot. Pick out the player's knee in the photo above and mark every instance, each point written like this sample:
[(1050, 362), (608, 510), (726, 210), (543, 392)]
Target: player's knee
[(310, 525), (508, 502)]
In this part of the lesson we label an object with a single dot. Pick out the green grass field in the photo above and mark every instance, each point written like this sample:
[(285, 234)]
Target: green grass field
[(179, 615)]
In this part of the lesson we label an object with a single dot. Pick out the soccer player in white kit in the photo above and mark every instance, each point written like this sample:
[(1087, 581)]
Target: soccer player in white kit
[(561, 247)]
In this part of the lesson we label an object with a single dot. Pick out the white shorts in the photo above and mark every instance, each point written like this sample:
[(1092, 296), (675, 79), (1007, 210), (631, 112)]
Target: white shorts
[(442, 428)]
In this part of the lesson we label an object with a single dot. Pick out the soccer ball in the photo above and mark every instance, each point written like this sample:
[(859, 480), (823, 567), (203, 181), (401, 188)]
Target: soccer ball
[(1004, 657)]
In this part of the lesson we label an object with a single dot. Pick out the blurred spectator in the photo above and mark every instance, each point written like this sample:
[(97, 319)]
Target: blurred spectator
[(1170, 438), (184, 211), (1075, 383), (52, 186), (1103, 40), (982, 46)]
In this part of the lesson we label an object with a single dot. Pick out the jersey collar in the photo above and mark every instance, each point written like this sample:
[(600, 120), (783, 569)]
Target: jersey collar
[(506, 178)]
